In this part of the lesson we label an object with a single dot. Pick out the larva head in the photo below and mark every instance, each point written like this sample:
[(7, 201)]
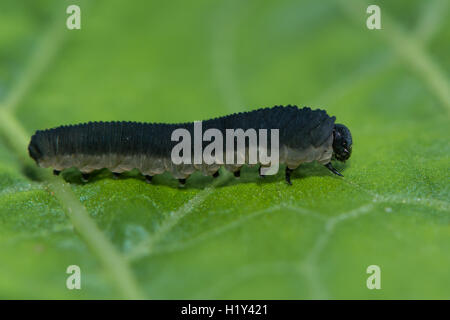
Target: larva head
[(342, 142)]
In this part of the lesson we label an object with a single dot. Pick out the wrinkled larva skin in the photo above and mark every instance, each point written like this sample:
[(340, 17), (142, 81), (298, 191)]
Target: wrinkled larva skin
[(305, 135)]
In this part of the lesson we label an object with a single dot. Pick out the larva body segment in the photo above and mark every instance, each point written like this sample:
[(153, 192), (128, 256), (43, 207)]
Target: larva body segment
[(305, 135)]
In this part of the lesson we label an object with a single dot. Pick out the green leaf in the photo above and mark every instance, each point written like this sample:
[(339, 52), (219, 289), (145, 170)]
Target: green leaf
[(247, 238)]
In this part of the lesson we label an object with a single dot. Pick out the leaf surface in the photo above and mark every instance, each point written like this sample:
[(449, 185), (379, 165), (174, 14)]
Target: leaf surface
[(227, 238)]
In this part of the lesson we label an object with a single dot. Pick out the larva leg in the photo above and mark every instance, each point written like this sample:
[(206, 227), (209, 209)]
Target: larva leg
[(288, 175), (216, 174), (182, 182), (85, 177), (330, 167), (56, 172), (116, 175), (237, 174), (148, 178)]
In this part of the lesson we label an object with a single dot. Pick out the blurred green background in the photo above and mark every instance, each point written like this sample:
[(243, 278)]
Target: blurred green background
[(189, 60)]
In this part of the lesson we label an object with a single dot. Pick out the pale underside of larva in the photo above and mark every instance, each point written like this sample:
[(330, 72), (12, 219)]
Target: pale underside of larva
[(152, 165)]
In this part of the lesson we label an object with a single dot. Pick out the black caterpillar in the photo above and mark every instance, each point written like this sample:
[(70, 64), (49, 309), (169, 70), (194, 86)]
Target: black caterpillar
[(305, 135)]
